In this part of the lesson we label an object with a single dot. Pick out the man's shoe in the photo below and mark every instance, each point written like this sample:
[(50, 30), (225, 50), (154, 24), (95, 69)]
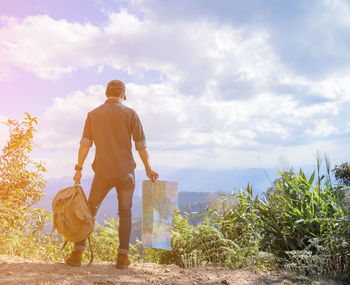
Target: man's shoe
[(75, 258), (123, 261)]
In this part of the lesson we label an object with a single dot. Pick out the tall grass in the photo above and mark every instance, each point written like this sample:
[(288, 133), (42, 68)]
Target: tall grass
[(300, 224), (303, 221)]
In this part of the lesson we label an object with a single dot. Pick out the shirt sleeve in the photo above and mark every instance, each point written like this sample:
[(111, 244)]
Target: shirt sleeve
[(137, 133), (87, 133)]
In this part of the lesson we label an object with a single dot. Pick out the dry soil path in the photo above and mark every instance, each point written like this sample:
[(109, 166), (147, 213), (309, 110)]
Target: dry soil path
[(18, 271)]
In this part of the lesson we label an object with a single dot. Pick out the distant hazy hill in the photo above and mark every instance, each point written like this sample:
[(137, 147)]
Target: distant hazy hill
[(196, 186), (189, 180), (187, 201)]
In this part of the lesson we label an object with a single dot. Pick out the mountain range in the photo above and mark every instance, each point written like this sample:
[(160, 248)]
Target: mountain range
[(196, 189), (194, 185)]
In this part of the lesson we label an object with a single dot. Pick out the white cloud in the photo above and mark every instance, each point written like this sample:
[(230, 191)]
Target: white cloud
[(322, 128), (198, 56), (337, 11), (186, 131), (335, 86), (61, 126), (45, 46), (225, 99)]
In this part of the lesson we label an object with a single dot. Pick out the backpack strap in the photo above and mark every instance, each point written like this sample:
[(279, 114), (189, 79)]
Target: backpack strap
[(92, 253), (64, 245)]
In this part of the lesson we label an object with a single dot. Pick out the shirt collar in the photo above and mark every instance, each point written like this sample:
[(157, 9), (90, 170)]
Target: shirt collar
[(113, 100)]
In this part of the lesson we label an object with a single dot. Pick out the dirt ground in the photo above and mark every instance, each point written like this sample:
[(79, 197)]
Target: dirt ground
[(14, 270)]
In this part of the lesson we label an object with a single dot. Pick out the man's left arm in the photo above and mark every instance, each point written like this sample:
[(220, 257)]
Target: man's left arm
[(151, 174)]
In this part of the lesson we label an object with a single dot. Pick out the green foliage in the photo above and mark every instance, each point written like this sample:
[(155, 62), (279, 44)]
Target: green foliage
[(305, 223), (326, 259), (21, 184), (301, 222), (236, 217), (342, 173), (104, 241), (228, 236), (214, 247), (295, 211), (181, 235), (21, 179), (304, 262)]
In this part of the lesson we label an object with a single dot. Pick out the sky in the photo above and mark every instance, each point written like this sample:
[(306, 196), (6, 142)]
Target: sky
[(217, 84)]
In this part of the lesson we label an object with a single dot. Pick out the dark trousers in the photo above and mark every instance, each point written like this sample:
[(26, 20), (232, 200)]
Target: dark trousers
[(125, 189)]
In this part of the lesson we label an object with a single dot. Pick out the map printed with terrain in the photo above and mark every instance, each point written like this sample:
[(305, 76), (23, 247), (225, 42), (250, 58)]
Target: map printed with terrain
[(159, 200)]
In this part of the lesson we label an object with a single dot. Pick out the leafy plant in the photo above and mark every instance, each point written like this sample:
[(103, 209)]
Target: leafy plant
[(236, 217), (342, 173), (296, 210), (105, 240), (303, 221), (21, 184)]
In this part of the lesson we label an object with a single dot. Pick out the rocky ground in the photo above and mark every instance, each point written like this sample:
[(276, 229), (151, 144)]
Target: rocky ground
[(14, 270)]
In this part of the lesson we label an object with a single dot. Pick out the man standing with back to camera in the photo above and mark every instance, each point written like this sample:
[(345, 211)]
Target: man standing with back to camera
[(110, 127)]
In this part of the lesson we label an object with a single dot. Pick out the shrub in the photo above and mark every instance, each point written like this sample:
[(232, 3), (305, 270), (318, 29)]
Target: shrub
[(305, 223), (342, 173), (21, 184), (236, 217), (104, 241), (228, 235), (295, 211)]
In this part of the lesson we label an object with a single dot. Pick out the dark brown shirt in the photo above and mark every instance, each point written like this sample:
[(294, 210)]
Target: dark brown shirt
[(110, 127)]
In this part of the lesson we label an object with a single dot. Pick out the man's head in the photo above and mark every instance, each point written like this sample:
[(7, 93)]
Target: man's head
[(115, 89)]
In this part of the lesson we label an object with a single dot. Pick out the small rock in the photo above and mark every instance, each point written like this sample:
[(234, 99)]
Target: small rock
[(182, 271), (166, 270), (225, 282), (9, 273), (173, 266)]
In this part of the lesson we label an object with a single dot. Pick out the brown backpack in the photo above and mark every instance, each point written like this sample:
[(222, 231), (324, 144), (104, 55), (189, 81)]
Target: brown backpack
[(72, 216)]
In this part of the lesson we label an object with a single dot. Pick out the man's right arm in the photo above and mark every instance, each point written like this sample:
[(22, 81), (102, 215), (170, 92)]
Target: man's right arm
[(85, 144), (143, 153), (83, 152)]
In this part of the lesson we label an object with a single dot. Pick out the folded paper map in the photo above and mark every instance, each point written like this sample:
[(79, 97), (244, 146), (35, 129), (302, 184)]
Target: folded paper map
[(159, 200)]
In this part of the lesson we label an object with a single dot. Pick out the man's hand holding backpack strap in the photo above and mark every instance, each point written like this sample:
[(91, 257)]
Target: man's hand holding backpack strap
[(77, 177)]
